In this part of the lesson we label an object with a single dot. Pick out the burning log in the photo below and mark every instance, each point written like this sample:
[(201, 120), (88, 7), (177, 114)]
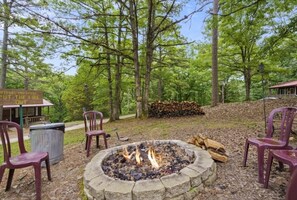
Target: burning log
[(174, 109), (215, 149), (126, 154)]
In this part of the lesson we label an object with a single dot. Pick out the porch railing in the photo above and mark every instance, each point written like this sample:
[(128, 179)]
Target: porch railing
[(30, 120)]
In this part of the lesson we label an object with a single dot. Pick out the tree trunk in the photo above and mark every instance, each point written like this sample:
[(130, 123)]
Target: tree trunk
[(26, 78), (247, 81), (108, 64), (134, 29), (160, 89), (246, 71), (223, 93), (118, 76), (160, 78), (4, 62), (149, 53), (215, 93)]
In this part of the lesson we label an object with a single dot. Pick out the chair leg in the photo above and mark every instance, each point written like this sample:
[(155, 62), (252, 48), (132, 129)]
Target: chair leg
[(105, 141), (86, 142), (9, 180), (268, 169), (97, 141), (89, 145), (246, 149), (280, 166), (37, 170), (261, 164), (2, 169), (48, 169)]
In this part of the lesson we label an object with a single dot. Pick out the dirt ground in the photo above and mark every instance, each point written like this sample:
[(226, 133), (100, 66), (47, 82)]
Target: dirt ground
[(229, 124)]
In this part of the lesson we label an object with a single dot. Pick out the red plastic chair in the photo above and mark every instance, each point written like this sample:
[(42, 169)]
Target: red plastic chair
[(24, 159), (291, 188), (93, 127), (287, 116), (288, 157)]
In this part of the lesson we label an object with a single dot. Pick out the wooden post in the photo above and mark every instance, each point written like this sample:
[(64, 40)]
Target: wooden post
[(21, 116)]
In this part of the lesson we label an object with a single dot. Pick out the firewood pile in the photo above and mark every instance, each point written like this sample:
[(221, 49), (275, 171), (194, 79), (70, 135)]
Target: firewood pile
[(215, 149), (174, 109)]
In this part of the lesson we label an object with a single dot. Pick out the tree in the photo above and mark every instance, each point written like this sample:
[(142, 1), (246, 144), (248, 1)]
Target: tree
[(215, 92), (158, 22), (6, 9), (16, 17), (133, 17), (244, 27)]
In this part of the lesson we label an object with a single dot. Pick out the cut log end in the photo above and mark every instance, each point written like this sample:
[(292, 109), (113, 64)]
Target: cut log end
[(215, 149)]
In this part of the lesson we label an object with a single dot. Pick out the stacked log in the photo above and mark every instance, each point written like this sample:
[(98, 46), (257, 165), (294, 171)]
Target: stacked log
[(174, 109), (214, 148)]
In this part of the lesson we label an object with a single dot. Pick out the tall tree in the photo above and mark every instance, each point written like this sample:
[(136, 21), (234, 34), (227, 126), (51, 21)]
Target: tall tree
[(119, 64), (133, 15), (215, 92), (6, 9), (160, 21)]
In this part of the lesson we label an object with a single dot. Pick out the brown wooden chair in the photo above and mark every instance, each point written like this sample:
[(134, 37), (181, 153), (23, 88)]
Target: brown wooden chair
[(23, 159), (93, 127)]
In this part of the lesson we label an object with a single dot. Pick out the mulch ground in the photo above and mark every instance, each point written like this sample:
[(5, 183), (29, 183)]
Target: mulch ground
[(229, 124)]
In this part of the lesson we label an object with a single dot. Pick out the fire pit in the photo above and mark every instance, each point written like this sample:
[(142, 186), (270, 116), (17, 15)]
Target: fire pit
[(163, 169)]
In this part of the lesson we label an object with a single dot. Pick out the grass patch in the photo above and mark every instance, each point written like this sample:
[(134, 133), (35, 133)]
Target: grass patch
[(74, 136), (69, 124), (153, 128)]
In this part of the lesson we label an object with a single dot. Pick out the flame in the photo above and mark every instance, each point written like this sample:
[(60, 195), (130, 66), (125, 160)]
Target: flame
[(152, 158), (126, 154), (137, 156)]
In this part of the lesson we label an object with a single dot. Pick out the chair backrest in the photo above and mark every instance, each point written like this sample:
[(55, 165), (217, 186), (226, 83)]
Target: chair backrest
[(93, 120), (287, 117), (5, 129), (291, 188)]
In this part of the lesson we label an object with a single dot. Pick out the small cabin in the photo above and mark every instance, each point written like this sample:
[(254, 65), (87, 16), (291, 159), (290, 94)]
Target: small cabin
[(287, 89), (32, 113)]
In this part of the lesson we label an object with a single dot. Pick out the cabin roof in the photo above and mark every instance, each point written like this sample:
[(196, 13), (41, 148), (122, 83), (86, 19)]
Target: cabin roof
[(285, 84), (45, 103)]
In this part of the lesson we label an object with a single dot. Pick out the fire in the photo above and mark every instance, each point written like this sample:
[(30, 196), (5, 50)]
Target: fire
[(137, 156), (126, 154), (152, 158)]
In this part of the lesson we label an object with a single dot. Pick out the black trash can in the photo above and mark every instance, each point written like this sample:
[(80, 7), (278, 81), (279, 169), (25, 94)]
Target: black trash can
[(48, 138)]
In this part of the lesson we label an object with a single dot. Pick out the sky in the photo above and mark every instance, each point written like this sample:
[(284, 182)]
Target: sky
[(194, 27)]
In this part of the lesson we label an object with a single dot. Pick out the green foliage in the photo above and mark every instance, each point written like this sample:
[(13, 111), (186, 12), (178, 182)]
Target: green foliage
[(88, 32)]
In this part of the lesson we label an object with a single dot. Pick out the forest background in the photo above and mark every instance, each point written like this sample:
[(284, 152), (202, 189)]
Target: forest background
[(129, 53)]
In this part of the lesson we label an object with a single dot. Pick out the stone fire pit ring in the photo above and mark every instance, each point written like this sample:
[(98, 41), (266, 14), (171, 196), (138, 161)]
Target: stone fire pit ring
[(183, 185)]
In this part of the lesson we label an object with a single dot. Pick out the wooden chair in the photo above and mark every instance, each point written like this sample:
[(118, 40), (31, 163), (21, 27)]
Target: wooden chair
[(23, 159), (93, 127), (268, 142)]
